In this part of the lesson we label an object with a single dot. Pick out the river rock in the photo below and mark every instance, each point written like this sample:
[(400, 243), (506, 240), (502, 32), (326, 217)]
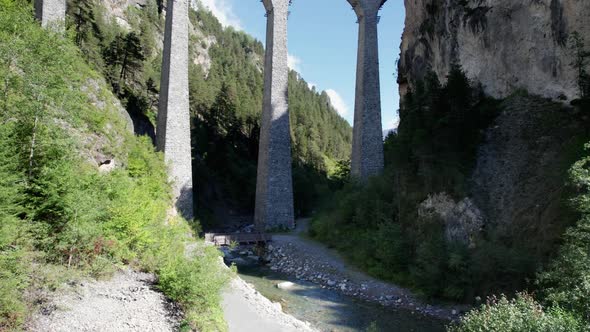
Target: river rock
[(285, 285), (239, 261)]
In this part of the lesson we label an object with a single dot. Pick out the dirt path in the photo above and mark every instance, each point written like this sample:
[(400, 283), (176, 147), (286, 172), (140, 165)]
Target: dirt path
[(129, 303), (312, 261), (125, 303)]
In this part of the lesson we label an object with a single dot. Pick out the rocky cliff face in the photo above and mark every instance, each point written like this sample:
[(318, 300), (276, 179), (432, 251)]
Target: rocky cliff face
[(518, 182), (520, 179), (503, 44), (118, 10)]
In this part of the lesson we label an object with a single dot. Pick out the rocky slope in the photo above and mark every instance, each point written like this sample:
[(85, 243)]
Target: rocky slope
[(519, 184), (519, 180), (119, 11), (503, 44)]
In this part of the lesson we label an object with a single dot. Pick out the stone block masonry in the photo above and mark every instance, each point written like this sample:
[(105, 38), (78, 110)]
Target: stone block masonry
[(367, 142), (173, 136), (274, 187), (51, 12)]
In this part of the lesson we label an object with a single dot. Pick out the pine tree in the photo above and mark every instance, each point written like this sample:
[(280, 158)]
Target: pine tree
[(581, 57), (82, 13), (125, 53), (223, 112), (133, 55)]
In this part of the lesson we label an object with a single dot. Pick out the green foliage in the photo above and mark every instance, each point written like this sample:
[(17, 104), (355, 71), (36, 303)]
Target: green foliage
[(83, 20), (566, 282), (125, 55), (197, 285), (57, 212), (581, 57), (440, 132), (517, 315), (14, 245)]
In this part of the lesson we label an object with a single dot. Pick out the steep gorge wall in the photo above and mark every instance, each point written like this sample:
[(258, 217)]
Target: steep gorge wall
[(520, 175), (503, 44)]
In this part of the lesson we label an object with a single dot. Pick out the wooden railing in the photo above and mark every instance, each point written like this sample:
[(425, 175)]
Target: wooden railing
[(238, 238)]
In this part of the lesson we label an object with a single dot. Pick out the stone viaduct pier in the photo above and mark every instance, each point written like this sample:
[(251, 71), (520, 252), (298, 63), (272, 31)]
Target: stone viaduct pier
[(50, 12), (173, 135), (274, 192), (274, 188), (367, 140)]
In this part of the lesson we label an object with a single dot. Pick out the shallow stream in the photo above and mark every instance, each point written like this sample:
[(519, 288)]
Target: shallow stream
[(328, 310)]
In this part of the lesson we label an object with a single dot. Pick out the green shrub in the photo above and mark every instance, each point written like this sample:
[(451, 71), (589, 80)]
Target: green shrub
[(196, 283), (521, 314), (566, 282)]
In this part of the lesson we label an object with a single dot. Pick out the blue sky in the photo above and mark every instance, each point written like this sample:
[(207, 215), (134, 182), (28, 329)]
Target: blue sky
[(323, 43)]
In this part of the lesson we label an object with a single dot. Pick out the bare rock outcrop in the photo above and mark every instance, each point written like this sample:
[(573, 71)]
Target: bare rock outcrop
[(503, 44), (463, 220), (519, 181), (118, 10)]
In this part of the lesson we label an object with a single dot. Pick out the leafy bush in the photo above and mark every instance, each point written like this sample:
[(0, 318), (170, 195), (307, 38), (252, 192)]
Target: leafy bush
[(566, 282), (196, 283), (521, 314)]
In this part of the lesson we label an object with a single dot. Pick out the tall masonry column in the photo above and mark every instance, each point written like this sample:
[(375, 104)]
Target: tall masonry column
[(173, 135), (50, 12), (367, 141), (274, 187)]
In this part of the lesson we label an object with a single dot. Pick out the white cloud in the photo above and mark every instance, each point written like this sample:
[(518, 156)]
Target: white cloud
[(223, 10), (337, 102), (312, 85), (294, 63), (393, 124)]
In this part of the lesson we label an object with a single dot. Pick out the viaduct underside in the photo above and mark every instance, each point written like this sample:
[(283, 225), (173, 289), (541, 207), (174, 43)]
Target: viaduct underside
[(274, 188)]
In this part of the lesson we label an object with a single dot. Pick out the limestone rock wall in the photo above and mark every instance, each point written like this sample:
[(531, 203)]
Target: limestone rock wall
[(463, 220), (519, 180), (117, 10), (503, 44)]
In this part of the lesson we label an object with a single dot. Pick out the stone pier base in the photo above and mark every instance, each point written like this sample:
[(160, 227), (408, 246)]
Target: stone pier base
[(51, 13), (274, 188), (367, 146), (173, 136)]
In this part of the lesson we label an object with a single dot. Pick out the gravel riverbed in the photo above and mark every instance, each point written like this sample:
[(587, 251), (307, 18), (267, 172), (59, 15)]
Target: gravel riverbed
[(311, 261), (127, 302)]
